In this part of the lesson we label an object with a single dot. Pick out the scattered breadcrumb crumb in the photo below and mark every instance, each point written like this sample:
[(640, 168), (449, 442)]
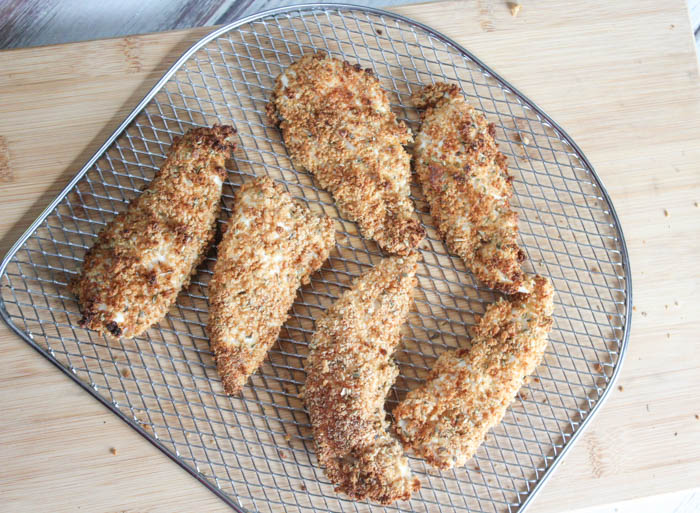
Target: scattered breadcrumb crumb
[(696, 204), (697, 417), (523, 395), (514, 8), (302, 487), (634, 308), (597, 367), (126, 373), (644, 314), (666, 213), (287, 437), (668, 335), (676, 303), (621, 388), (113, 450)]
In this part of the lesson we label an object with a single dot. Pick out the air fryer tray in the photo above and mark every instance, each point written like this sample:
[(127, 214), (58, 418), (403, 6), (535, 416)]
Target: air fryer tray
[(256, 451)]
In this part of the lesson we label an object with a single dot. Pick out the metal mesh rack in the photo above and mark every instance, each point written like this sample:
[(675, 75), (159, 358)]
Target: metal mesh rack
[(256, 450)]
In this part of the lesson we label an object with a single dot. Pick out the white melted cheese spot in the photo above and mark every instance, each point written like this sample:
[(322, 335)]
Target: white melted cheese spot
[(463, 222), (250, 340), (159, 257), (404, 470), (423, 142), (238, 338), (270, 263), (462, 363), (119, 317), (218, 181), (502, 277), (245, 221), (251, 200)]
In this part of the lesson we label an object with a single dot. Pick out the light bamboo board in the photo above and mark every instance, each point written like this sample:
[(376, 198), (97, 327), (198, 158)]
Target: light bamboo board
[(631, 100)]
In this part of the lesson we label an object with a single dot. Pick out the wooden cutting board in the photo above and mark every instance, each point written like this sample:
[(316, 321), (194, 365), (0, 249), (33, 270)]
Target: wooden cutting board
[(620, 77)]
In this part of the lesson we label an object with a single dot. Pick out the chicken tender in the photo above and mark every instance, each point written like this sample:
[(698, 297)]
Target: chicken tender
[(349, 373), (147, 254), (271, 247), (468, 391), (466, 182), (337, 124)]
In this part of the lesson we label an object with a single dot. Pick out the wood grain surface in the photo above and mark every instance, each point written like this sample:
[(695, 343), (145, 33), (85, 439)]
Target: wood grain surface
[(620, 77)]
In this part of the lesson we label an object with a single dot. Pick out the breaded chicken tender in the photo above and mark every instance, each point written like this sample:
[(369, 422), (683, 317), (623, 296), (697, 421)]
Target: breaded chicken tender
[(271, 247), (349, 373), (147, 254), (337, 123), (466, 182), (468, 391)]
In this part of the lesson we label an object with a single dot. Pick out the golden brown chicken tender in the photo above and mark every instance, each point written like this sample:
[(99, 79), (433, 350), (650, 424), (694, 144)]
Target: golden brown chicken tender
[(466, 182), (349, 372), (336, 123), (271, 247), (147, 254), (468, 391)]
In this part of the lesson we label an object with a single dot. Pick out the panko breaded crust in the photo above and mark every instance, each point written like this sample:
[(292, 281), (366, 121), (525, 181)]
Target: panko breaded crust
[(147, 254), (466, 182), (349, 373), (468, 391), (337, 123), (271, 247)]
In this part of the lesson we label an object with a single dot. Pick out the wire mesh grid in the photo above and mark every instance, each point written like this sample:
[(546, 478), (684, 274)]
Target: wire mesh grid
[(256, 450)]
